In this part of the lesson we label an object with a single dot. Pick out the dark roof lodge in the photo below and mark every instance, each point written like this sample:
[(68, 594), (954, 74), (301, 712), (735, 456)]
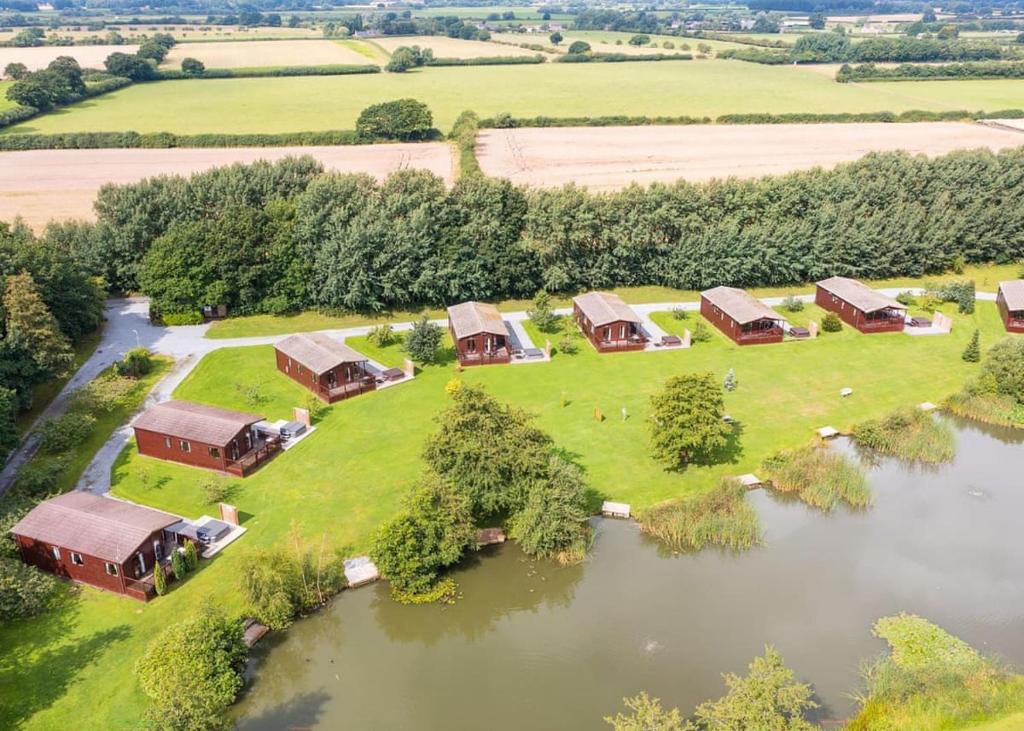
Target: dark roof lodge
[(1010, 301), (860, 306), (744, 318), (479, 334), (327, 367), (608, 322)]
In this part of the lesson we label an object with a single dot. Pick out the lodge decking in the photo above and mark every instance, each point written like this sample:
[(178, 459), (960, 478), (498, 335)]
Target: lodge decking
[(1010, 301), (860, 306), (479, 334), (204, 436), (330, 369), (741, 316), (609, 323)]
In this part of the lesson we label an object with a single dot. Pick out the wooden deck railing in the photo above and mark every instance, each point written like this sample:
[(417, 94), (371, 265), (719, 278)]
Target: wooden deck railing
[(502, 355), (755, 335), (628, 344), (254, 458), (891, 323)]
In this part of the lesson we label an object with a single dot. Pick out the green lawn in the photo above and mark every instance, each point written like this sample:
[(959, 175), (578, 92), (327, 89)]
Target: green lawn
[(695, 88), (986, 277), (348, 476), (5, 103)]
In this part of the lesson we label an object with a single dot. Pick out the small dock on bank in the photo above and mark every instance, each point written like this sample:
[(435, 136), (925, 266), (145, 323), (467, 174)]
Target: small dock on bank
[(610, 509), (253, 631), (489, 537), (360, 571)]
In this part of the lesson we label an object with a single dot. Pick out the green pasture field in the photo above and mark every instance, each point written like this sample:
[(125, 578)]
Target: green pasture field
[(5, 103), (696, 88)]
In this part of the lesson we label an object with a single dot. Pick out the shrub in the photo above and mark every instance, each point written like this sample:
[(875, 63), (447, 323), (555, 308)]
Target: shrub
[(722, 517), (730, 383), (65, 432), (215, 489), (104, 394), (178, 567), (136, 363), (8, 428), (381, 336), (579, 47), (792, 303), (645, 714), (680, 313), (182, 318), (424, 340), (402, 119), (567, 345), (39, 478), (1004, 367), (464, 133), (553, 521), (701, 333), (972, 353), (159, 580), (191, 556), (831, 323), (906, 298), (193, 670), (24, 590)]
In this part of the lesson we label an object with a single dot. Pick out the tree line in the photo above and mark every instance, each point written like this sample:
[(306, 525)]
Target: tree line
[(911, 71), (274, 238), (837, 48)]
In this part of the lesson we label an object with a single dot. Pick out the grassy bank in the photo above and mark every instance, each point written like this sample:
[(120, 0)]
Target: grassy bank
[(720, 517), (349, 475), (818, 476), (707, 88), (986, 277), (910, 434)]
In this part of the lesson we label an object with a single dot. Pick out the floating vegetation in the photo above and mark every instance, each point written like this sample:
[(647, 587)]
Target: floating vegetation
[(721, 517), (910, 434), (819, 476)]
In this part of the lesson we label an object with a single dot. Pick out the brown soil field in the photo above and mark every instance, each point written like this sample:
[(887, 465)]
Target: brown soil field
[(89, 57), (43, 185), (609, 158), (248, 54), (444, 47)]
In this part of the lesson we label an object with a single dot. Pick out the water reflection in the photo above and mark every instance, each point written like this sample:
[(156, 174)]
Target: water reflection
[(531, 645)]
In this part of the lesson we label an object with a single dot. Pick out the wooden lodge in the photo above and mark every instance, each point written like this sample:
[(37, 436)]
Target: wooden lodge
[(204, 436), (1010, 301), (107, 543), (328, 368), (860, 306), (479, 334), (608, 322), (741, 316)]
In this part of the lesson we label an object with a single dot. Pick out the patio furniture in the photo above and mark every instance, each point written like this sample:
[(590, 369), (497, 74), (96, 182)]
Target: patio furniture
[(671, 341), (392, 374), (799, 332)]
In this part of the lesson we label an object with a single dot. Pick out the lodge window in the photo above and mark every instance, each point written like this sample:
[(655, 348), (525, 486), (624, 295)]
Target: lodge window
[(622, 332), (185, 446), (471, 345), (167, 442), (55, 552), (77, 560), (606, 333), (215, 452), (111, 568), (158, 550)]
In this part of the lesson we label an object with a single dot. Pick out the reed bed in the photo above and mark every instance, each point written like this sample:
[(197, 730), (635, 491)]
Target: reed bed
[(910, 434), (721, 517), (991, 408), (819, 476)]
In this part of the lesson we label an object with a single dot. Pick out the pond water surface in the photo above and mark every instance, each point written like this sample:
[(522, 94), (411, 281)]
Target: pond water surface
[(534, 646)]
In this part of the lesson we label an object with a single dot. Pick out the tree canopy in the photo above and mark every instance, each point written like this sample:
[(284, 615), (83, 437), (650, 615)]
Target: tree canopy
[(685, 421), (402, 119)]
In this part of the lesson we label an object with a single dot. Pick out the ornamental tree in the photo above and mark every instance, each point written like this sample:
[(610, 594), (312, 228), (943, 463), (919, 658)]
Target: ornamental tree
[(686, 420)]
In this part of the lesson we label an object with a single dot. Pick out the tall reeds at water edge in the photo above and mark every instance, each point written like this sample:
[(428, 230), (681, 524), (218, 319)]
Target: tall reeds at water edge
[(721, 517), (910, 434), (991, 408), (819, 476)]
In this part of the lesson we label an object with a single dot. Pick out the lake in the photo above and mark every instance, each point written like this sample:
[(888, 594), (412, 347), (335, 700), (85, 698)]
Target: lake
[(532, 645)]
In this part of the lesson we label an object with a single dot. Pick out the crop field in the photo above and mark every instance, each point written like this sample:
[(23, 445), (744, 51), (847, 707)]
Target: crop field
[(444, 47), (695, 88), (189, 32), (606, 158), (64, 183), (89, 57), (248, 54), (608, 42)]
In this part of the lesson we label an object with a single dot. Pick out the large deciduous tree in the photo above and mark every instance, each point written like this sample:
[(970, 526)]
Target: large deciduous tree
[(401, 119), (31, 324), (686, 420)]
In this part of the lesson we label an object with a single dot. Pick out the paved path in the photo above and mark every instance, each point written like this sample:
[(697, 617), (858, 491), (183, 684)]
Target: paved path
[(128, 326)]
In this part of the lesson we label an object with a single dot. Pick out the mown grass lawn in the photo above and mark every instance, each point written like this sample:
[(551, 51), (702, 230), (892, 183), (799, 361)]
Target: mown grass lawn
[(695, 88), (986, 278), (349, 475)]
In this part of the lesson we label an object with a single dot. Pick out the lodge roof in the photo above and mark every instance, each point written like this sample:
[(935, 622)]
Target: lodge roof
[(859, 294), (317, 352), (1013, 293), (198, 422), (472, 318), (602, 308), (103, 527), (740, 305)]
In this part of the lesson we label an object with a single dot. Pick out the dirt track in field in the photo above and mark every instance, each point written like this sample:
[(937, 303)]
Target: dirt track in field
[(44, 185), (608, 158)]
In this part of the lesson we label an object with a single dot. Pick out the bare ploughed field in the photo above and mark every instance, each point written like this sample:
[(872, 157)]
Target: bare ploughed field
[(444, 47), (44, 185), (608, 158), (39, 57)]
